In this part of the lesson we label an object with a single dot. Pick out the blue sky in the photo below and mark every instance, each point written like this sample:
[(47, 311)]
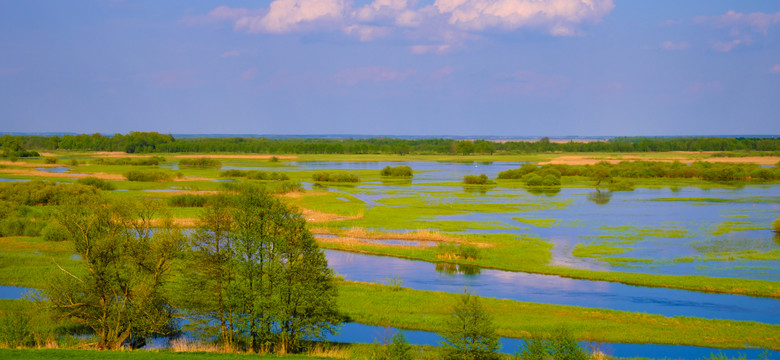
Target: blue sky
[(395, 67)]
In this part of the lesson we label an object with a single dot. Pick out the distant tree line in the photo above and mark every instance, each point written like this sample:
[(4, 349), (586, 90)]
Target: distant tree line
[(152, 142)]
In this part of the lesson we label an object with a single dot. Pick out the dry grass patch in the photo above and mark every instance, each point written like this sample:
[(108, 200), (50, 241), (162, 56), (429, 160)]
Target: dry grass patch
[(319, 216), (39, 173)]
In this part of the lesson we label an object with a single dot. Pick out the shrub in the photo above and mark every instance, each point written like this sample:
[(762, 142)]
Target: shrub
[(561, 345), (200, 162), (482, 179), (550, 180), (397, 171), (54, 232), (622, 185), (453, 251), (334, 177), (150, 161), (150, 175), (288, 187), (533, 180), (776, 225), (50, 160), (187, 200), (233, 173), (98, 183), (399, 349)]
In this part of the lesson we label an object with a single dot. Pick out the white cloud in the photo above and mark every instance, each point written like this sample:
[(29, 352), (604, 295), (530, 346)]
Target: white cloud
[(671, 45), (559, 17), (737, 22), (775, 69), (448, 21)]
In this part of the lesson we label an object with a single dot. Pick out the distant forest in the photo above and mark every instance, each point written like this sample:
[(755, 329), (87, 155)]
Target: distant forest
[(152, 142)]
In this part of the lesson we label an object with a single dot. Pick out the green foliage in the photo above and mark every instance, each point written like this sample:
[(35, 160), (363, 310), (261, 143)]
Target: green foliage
[(255, 175), (776, 225), (135, 142), (200, 162), (187, 200), (97, 182), (149, 175), (50, 160), (138, 161), (40, 192), (335, 177), (117, 289), (269, 284), (396, 171), (469, 333), (53, 231), (13, 147), (561, 345), (457, 251), (399, 348), (482, 179)]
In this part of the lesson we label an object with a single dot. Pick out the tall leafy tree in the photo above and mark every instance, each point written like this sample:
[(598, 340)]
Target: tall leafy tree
[(263, 279), (118, 288), (205, 291)]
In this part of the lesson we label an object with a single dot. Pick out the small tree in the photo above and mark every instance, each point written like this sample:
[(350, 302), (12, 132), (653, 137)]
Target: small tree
[(399, 349), (560, 345), (469, 333)]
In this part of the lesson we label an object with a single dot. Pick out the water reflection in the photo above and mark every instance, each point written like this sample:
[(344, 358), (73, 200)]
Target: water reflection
[(547, 191), (600, 197), (452, 269)]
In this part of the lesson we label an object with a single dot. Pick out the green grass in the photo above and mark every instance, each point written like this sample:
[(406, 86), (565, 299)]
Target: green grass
[(30, 262), (66, 354), (381, 305)]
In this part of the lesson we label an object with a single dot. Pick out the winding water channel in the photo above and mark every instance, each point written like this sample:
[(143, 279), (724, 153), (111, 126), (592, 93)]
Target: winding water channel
[(550, 289)]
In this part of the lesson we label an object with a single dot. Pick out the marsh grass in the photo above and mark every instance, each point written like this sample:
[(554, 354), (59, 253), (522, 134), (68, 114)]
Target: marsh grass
[(376, 304)]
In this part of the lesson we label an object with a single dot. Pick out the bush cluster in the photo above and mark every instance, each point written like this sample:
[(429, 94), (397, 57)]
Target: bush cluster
[(147, 161), (149, 175), (200, 162), (98, 183), (335, 177), (396, 171), (481, 179), (455, 251), (40, 192), (647, 169), (254, 175), (188, 200)]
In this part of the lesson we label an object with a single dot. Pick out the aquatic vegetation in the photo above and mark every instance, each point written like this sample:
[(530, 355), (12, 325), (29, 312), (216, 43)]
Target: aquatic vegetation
[(396, 171), (732, 226), (538, 222), (335, 177)]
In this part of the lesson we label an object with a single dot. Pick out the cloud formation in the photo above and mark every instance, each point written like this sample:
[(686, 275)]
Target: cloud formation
[(444, 23), (757, 22)]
